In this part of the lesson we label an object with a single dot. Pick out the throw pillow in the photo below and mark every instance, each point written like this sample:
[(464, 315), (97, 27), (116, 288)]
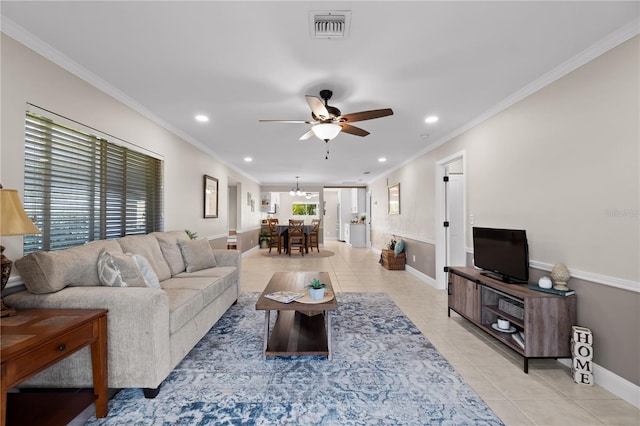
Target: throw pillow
[(197, 255), (150, 277), (399, 248), (119, 270)]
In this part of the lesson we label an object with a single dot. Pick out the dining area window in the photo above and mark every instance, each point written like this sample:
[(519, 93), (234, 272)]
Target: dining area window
[(304, 209)]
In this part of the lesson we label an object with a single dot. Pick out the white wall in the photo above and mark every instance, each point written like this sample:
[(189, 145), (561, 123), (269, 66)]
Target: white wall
[(562, 164), (30, 78), (233, 207), (330, 218)]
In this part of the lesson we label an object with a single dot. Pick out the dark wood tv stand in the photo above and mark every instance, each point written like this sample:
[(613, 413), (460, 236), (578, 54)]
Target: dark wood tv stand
[(545, 319)]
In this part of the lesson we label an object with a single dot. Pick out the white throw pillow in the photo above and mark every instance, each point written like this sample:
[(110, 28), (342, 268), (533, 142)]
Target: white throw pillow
[(119, 270), (150, 277)]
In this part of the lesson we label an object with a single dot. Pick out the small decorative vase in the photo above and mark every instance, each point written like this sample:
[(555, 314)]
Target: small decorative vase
[(560, 275), (316, 293)]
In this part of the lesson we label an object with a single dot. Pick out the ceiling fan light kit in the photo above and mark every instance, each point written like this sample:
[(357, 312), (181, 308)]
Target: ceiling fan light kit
[(326, 131), (328, 121)]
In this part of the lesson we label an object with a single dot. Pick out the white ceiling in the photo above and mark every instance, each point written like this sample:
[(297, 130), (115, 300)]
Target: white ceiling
[(239, 62)]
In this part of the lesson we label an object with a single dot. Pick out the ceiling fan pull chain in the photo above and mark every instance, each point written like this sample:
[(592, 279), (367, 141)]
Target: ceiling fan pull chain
[(326, 157)]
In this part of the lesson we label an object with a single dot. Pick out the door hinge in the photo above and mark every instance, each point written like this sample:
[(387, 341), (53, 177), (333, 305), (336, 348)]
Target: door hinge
[(446, 224)]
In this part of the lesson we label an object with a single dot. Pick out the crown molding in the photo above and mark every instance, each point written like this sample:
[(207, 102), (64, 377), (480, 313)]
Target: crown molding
[(607, 43), (34, 43)]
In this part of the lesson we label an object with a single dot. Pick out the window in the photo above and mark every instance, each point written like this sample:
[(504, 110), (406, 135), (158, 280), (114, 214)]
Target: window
[(304, 209), (79, 187)]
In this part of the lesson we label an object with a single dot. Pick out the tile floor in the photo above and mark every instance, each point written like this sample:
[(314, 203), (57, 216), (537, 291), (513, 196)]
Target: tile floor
[(546, 396)]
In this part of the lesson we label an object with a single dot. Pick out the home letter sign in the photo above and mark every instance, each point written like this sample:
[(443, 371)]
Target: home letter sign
[(582, 355)]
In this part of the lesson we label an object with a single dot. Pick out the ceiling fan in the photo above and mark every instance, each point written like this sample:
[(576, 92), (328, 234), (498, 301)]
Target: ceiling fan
[(327, 121)]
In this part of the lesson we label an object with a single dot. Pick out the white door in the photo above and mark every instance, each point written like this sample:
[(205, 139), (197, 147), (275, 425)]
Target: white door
[(456, 255)]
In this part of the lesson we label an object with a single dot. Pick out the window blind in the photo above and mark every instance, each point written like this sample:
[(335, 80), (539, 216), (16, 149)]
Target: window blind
[(80, 187)]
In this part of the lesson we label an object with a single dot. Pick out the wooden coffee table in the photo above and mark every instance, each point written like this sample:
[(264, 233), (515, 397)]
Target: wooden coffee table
[(300, 328)]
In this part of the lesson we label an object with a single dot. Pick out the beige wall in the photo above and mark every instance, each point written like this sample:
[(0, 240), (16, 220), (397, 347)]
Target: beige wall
[(30, 78), (562, 164)]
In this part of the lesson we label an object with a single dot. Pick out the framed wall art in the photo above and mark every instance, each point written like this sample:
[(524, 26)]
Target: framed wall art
[(394, 199), (210, 197)]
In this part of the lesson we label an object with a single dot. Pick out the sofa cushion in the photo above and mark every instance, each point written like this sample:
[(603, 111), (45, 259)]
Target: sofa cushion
[(118, 270), (197, 254), (147, 246), (48, 272), (228, 273), (210, 287), (184, 305), (169, 245), (187, 297)]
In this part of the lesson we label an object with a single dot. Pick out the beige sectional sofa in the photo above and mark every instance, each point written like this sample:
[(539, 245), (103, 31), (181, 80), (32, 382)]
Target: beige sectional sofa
[(150, 329)]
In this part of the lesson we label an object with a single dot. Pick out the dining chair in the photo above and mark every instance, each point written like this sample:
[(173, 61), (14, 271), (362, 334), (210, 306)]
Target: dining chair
[(275, 239), (296, 235), (314, 235)]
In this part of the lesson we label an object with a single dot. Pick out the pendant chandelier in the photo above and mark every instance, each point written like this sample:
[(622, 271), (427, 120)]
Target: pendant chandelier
[(296, 191)]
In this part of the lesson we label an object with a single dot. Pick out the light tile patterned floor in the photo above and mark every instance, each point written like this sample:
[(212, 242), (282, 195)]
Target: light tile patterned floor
[(546, 396)]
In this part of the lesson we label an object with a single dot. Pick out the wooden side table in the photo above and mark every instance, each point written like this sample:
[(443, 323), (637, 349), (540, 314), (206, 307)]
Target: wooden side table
[(35, 339)]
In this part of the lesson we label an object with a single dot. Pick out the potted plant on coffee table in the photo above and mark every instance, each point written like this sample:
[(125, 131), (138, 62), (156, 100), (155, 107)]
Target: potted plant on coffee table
[(316, 289)]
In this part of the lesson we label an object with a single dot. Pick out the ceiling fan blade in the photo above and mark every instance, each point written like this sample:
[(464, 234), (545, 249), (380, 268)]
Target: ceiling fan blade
[(366, 115), (353, 130), (288, 121), (306, 135), (317, 107)]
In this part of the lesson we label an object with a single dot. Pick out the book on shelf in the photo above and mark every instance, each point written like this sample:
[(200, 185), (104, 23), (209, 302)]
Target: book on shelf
[(519, 339), (552, 290), (284, 296)]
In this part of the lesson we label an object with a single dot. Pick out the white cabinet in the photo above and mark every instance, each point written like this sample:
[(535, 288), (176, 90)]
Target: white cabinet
[(356, 235), (354, 200), (351, 204), (269, 202), (358, 200), (346, 233)]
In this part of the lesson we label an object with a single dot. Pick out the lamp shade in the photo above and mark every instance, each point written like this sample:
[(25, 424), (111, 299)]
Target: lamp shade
[(326, 131), (13, 219)]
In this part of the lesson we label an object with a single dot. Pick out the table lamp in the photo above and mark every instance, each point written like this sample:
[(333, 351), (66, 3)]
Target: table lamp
[(13, 221)]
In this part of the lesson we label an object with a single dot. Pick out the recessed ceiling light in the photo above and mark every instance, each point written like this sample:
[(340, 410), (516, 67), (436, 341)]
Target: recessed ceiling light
[(382, 159), (431, 119), (202, 118), (248, 159)]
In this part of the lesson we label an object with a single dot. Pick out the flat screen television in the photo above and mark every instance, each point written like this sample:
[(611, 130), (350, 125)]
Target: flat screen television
[(502, 253)]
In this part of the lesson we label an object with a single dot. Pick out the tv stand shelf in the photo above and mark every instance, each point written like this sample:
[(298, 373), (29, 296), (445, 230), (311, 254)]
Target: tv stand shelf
[(543, 320)]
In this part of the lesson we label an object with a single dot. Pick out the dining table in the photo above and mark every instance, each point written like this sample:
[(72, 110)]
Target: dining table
[(284, 231)]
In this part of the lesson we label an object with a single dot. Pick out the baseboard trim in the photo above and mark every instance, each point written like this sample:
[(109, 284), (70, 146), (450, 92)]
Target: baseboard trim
[(613, 383), (422, 276), (250, 251)]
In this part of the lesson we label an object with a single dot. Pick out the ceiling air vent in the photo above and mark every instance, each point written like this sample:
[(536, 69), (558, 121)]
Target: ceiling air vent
[(329, 24)]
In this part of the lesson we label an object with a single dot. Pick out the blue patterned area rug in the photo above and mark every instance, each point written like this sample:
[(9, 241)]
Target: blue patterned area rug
[(384, 371)]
